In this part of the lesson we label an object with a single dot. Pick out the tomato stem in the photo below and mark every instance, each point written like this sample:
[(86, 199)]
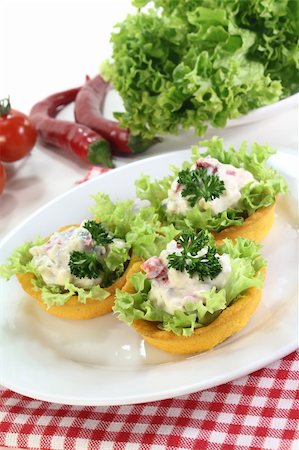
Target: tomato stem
[(5, 107)]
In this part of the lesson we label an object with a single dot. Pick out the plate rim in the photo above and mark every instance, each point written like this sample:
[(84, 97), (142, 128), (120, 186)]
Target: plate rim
[(171, 393), (255, 114)]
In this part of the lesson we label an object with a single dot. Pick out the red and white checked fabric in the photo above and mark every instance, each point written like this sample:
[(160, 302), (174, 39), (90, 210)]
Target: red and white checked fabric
[(259, 411)]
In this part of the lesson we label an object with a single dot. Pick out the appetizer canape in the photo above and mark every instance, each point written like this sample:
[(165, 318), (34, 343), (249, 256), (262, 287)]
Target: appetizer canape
[(73, 274), (195, 294), (227, 192)]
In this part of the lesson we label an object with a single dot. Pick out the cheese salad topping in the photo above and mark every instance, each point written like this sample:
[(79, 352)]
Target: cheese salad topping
[(171, 289), (234, 180), (52, 258)]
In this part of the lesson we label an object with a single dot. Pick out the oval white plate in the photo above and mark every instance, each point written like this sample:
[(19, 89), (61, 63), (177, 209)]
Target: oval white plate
[(103, 361), (265, 112)]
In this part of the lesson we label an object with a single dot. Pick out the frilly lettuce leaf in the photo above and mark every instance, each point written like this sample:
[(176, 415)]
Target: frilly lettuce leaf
[(20, 260), (196, 219), (184, 63), (276, 43), (246, 262), (54, 295), (116, 257), (142, 229), (154, 192), (147, 235), (115, 216), (253, 197)]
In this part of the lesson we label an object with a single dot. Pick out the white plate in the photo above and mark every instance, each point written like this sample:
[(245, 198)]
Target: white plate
[(265, 112), (103, 361), (114, 103)]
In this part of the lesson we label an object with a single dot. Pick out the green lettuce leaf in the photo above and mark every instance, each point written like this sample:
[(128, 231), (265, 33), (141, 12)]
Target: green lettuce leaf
[(54, 295), (184, 63), (253, 197), (116, 258), (246, 261), (20, 260), (142, 229), (154, 192), (115, 216), (276, 43), (147, 235)]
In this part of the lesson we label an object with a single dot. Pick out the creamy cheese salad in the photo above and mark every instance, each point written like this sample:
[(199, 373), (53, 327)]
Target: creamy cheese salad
[(234, 180), (52, 258), (171, 289)]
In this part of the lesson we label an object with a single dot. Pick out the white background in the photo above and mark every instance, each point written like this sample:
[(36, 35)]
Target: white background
[(50, 45)]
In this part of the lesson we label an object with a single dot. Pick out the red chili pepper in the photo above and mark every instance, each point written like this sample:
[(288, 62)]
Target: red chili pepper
[(88, 145), (88, 111)]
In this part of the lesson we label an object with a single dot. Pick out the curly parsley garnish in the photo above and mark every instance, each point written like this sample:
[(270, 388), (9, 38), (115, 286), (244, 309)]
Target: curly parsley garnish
[(98, 232), (198, 183), (84, 265), (197, 257)]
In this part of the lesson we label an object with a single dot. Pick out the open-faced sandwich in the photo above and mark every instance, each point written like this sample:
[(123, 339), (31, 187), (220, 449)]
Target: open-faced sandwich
[(227, 192), (194, 295), (74, 273)]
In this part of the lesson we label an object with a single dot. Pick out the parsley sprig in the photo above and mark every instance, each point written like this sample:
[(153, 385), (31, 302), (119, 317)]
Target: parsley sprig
[(84, 265), (198, 183), (98, 232), (205, 265)]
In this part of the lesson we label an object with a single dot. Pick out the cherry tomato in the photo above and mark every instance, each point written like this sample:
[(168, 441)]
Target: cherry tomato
[(2, 178), (17, 134)]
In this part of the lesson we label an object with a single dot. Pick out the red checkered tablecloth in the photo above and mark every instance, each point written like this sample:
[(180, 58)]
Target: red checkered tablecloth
[(259, 411)]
